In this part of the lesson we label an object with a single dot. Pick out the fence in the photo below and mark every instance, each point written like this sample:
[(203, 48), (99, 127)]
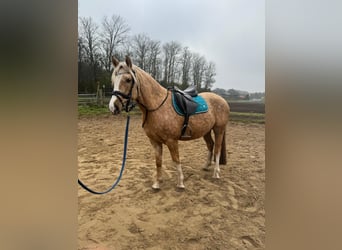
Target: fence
[(93, 99), (87, 99)]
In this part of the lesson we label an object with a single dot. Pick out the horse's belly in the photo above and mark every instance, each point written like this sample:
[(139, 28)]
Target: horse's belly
[(201, 124), (169, 126)]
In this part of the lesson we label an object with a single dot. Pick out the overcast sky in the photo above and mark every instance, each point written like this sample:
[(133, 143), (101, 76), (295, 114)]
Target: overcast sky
[(231, 33)]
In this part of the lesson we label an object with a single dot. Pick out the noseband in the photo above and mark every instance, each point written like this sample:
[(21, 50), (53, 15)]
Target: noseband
[(128, 106)]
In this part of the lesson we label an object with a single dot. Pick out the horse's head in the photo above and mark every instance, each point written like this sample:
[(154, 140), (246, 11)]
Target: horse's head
[(124, 85)]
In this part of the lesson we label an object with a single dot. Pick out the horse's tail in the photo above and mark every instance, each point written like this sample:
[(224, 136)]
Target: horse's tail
[(223, 154)]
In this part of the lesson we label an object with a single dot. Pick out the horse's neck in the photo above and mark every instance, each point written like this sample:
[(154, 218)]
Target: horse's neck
[(151, 93)]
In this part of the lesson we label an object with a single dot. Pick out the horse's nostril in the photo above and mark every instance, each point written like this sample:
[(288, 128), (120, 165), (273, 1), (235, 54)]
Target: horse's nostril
[(116, 110)]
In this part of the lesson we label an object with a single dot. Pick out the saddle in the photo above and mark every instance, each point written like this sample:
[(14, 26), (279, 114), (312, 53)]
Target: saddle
[(191, 91), (183, 98)]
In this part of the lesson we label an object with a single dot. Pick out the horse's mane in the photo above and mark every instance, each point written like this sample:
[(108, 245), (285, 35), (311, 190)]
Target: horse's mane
[(147, 80)]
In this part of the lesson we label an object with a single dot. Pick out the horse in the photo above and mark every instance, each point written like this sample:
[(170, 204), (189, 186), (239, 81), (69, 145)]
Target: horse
[(162, 124)]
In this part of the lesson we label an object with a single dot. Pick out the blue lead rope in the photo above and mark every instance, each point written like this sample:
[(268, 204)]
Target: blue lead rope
[(122, 167)]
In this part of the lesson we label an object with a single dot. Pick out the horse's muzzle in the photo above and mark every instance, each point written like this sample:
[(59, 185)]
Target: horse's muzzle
[(117, 110)]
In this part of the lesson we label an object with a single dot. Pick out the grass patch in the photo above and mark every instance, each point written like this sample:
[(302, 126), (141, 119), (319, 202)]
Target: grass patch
[(247, 117), (89, 110), (92, 110)]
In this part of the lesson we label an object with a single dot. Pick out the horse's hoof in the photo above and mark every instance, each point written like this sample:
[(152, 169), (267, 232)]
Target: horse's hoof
[(216, 173), (156, 186), (180, 188), (216, 176)]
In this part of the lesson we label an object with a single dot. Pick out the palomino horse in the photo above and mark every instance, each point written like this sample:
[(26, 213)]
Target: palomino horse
[(162, 124)]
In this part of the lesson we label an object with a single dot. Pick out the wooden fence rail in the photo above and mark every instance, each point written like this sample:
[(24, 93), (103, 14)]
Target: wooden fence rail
[(87, 99)]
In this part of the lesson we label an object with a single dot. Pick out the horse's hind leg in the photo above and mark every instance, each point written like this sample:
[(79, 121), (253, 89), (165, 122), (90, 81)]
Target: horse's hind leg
[(158, 149), (217, 150), (210, 145), (173, 147)]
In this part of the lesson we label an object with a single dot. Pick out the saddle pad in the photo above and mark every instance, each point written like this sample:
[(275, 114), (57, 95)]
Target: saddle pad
[(201, 108)]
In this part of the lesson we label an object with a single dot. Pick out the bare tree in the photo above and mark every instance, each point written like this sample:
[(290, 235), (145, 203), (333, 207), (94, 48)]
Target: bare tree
[(159, 70), (198, 68), (126, 50), (175, 50), (114, 34), (171, 52), (209, 73), (81, 56), (81, 62), (89, 36), (80, 46), (154, 61), (186, 66), (166, 52), (141, 48), (146, 54)]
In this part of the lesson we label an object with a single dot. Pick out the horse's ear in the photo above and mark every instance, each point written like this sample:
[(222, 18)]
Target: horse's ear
[(129, 62), (115, 61)]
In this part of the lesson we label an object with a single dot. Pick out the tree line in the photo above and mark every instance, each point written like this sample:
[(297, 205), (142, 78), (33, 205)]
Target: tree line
[(170, 63)]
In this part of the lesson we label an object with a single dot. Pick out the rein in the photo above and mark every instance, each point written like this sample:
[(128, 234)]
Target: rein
[(122, 167), (152, 110)]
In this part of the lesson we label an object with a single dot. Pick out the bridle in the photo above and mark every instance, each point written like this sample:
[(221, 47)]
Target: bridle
[(128, 106)]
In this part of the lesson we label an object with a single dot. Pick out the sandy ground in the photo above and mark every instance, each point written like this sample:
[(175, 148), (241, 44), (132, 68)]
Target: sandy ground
[(227, 213)]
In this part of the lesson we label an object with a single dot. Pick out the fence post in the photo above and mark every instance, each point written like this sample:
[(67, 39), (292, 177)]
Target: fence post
[(99, 95), (103, 94)]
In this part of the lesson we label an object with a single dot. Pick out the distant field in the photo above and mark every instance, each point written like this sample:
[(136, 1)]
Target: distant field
[(247, 107)]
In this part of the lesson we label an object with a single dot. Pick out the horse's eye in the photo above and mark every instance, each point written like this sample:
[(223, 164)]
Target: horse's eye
[(128, 80)]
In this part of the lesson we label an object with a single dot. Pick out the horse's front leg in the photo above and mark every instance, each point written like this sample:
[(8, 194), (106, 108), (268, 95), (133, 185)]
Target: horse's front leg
[(173, 147), (158, 149)]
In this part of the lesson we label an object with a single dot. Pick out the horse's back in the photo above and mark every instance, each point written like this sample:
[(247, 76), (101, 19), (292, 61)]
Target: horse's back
[(218, 106), (167, 124)]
